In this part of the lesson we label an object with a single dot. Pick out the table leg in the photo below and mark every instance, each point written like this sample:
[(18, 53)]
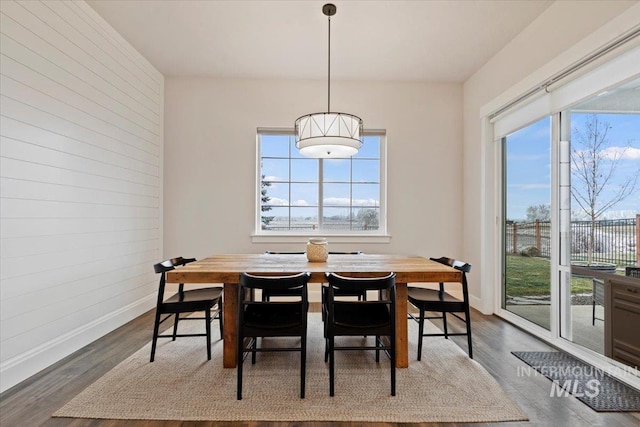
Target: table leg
[(402, 341), (230, 313)]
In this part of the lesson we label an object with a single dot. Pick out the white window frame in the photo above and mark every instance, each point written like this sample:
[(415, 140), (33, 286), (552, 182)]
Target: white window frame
[(351, 236)]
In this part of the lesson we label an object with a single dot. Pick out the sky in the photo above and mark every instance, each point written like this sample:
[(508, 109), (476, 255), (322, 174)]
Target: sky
[(529, 155)]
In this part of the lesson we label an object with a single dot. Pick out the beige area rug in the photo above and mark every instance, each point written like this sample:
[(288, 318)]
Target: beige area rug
[(446, 386)]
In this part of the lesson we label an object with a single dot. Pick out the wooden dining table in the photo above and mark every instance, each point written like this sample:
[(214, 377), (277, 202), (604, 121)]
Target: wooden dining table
[(226, 269)]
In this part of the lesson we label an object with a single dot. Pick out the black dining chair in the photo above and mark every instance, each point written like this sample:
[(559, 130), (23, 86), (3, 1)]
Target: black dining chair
[(439, 301), (207, 300), (348, 317), (272, 318)]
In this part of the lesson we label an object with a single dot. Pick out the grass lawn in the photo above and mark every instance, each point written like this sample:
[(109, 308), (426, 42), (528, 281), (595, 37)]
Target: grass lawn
[(527, 276)]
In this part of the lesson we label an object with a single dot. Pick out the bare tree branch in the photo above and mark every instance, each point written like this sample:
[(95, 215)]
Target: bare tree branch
[(593, 173)]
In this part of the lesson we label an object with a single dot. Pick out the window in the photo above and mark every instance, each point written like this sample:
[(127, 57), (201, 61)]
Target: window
[(301, 195)]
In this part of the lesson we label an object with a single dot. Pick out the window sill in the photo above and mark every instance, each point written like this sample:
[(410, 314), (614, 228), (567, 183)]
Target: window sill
[(332, 238)]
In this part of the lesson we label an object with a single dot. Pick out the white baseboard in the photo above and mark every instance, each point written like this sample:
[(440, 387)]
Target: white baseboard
[(21, 367)]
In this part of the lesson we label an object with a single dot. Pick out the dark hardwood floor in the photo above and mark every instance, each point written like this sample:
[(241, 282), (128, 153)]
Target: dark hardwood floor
[(32, 402)]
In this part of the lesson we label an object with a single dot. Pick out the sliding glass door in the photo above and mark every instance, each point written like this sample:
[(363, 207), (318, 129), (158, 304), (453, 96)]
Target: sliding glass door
[(526, 227), (570, 207), (566, 165)]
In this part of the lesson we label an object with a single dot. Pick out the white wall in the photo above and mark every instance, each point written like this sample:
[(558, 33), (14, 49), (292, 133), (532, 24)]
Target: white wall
[(210, 152), (562, 34), (81, 180)]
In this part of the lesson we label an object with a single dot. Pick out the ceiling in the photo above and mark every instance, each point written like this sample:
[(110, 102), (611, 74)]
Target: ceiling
[(437, 41)]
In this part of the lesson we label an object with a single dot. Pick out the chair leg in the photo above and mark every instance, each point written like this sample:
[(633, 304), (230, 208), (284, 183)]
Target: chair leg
[(156, 327), (208, 328), (393, 367), (254, 345), (467, 315), (220, 320), (331, 366), (322, 302), (176, 319), (326, 350), (420, 333), (239, 361), (303, 364), (378, 343), (444, 325)]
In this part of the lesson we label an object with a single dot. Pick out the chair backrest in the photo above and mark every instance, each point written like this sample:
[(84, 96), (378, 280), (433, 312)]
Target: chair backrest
[(295, 284), (465, 267), (163, 266), (350, 284), (171, 264), (168, 265), (443, 260), (340, 284)]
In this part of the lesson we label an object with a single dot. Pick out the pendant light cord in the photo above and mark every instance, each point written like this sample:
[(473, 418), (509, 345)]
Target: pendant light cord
[(329, 69)]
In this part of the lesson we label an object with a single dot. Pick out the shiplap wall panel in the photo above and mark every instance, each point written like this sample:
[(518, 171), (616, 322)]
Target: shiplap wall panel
[(32, 171), (37, 54), (61, 63), (18, 229), (65, 193), (33, 59), (42, 25), (66, 21), (125, 292), (37, 81), (18, 109), (81, 140), (123, 52), (64, 277), (21, 150), (14, 90), (44, 138)]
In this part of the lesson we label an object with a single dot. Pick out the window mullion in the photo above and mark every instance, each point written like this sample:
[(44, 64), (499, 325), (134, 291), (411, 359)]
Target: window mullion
[(289, 194), (320, 194)]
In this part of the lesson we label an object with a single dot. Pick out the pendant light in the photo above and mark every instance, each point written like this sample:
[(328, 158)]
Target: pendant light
[(330, 134)]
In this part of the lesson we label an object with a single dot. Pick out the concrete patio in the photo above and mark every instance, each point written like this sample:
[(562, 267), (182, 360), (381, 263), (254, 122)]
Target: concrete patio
[(584, 333)]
